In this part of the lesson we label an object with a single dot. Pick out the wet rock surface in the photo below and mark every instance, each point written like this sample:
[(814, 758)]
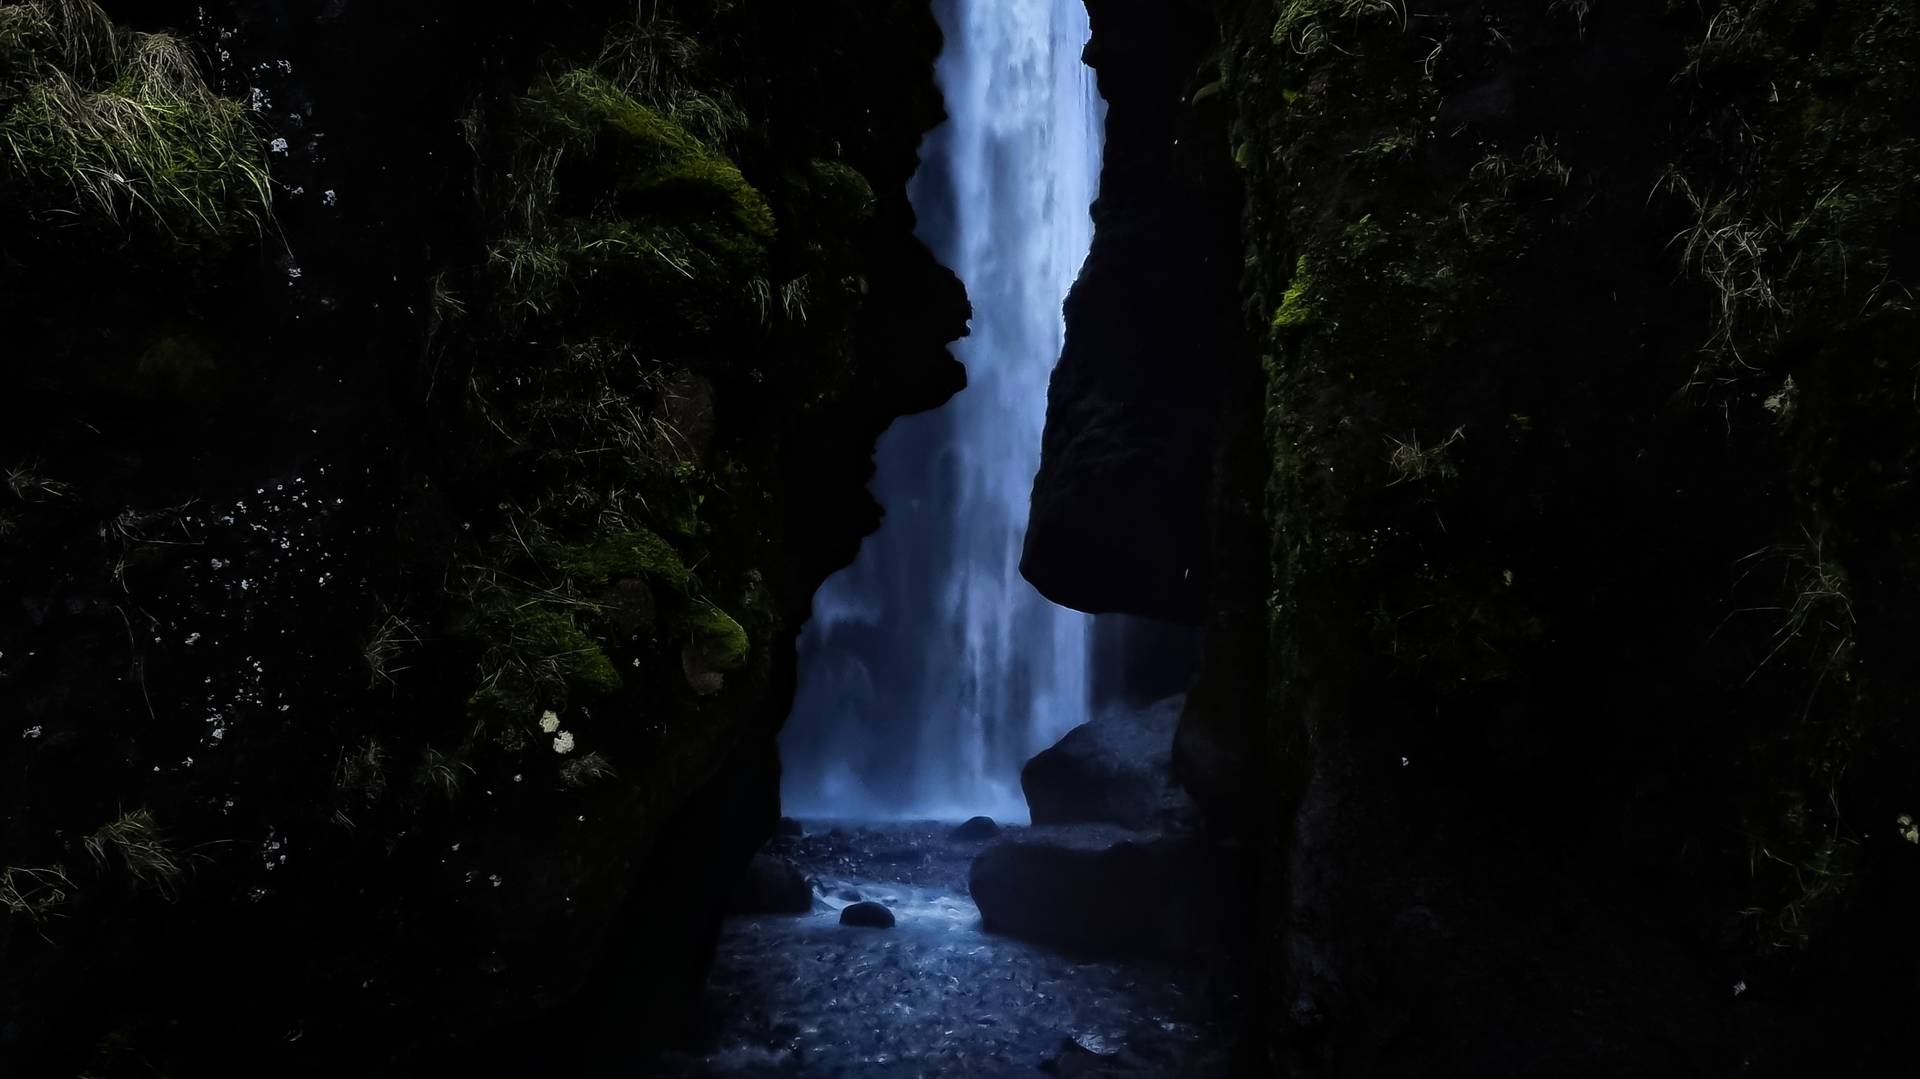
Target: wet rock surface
[(1100, 890), (867, 914), (1117, 769), (772, 885), (977, 828), (936, 995)]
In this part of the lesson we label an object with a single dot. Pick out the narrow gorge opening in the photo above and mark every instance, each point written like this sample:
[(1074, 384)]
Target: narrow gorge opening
[(971, 773), (931, 670), (1474, 462)]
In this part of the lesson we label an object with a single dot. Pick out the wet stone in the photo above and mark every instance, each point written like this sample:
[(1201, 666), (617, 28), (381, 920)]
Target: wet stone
[(977, 828), (867, 914)]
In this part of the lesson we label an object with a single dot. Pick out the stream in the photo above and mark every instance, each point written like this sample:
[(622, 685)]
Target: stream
[(803, 995)]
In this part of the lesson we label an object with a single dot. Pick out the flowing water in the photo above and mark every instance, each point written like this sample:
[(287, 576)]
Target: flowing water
[(802, 996), (931, 670)]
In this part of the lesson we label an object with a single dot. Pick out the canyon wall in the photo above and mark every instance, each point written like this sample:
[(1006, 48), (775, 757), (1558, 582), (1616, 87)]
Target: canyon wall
[(425, 429), (1553, 526)]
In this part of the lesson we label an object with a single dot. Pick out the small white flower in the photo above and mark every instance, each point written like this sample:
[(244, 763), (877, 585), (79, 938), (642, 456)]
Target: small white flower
[(1739, 988), (563, 742), (278, 146), (31, 732), (1909, 831), (549, 722)]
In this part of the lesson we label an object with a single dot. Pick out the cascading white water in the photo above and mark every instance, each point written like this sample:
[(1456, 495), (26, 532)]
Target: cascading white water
[(931, 670)]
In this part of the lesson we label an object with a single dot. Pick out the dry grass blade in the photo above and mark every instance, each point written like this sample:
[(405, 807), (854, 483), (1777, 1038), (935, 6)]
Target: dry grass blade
[(134, 842), (33, 892)]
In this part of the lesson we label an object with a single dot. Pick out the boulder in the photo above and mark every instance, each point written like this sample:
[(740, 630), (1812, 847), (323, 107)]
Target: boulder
[(789, 827), (869, 915), (1118, 769), (977, 828), (771, 886), (1100, 891)]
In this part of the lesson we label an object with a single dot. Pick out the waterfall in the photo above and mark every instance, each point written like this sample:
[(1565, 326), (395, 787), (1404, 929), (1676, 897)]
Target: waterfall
[(931, 670)]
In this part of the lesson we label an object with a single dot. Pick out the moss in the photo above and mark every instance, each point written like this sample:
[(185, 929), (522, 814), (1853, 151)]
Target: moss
[(509, 695), (708, 197), (715, 641), (662, 175), (543, 636), (611, 555), (652, 261), (585, 107), (839, 191), (1297, 308), (1364, 236)]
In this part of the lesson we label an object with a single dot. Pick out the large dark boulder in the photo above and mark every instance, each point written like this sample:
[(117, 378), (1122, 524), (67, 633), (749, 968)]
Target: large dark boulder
[(771, 886), (1100, 890), (1117, 769)]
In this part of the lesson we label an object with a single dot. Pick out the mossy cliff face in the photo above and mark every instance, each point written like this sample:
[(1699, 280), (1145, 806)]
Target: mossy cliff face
[(424, 431), (1576, 686)]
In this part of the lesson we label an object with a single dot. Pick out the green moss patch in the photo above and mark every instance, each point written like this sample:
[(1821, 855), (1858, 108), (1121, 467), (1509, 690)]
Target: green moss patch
[(554, 636), (715, 642), (661, 175), (613, 555), (1297, 307)]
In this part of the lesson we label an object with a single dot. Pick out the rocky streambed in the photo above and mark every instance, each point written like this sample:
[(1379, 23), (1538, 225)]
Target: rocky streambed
[(802, 994)]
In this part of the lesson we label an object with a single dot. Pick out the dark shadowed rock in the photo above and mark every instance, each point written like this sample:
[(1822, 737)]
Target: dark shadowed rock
[(1099, 890), (868, 915), (789, 827), (1118, 520), (977, 828), (772, 886), (1117, 769)]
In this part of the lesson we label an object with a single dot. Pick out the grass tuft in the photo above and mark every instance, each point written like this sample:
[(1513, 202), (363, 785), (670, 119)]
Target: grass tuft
[(586, 770), (127, 122), (33, 892), (135, 843), (442, 773)]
